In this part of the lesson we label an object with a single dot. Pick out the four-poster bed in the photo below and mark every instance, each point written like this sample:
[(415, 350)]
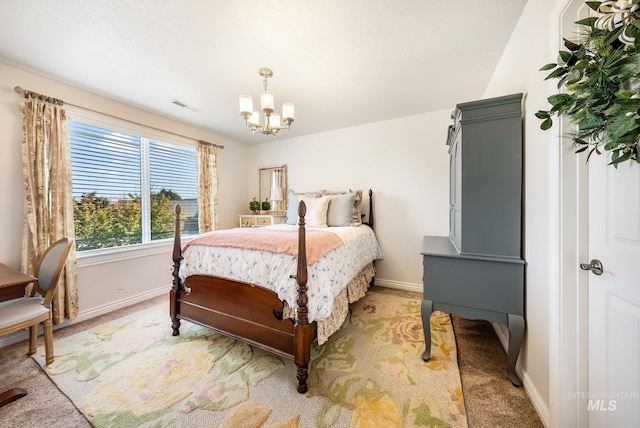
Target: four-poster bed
[(263, 317)]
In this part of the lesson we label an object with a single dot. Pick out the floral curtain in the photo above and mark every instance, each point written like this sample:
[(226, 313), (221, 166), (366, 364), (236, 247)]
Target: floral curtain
[(207, 187), (46, 162)]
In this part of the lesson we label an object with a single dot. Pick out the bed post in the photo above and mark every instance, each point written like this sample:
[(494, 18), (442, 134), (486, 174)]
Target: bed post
[(175, 289), (302, 330), (371, 208), (370, 223)]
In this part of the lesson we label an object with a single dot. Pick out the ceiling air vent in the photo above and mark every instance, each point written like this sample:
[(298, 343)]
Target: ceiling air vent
[(184, 105)]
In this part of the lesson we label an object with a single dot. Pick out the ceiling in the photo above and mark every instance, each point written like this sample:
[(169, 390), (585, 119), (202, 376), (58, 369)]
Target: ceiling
[(341, 62)]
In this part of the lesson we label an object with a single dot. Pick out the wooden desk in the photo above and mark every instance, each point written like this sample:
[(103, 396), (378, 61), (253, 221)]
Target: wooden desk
[(12, 285)]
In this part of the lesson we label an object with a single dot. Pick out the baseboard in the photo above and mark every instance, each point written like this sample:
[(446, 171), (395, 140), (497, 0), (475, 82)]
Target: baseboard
[(91, 313), (529, 386), (119, 304), (397, 285)]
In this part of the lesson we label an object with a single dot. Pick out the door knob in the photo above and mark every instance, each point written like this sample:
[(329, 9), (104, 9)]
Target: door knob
[(595, 266)]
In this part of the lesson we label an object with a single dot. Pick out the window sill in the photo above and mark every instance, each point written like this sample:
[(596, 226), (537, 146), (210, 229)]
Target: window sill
[(118, 254)]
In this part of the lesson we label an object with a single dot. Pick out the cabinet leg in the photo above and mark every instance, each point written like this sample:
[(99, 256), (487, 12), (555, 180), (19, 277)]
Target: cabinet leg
[(426, 310), (516, 332)]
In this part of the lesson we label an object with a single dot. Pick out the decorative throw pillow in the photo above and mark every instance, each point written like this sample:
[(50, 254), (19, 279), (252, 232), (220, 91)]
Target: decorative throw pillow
[(316, 215), (292, 208), (292, 205), (342, 210), (357, 215)]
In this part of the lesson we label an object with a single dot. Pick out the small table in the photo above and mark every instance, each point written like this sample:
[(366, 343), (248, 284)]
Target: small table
[(12, 285), (260, 220)]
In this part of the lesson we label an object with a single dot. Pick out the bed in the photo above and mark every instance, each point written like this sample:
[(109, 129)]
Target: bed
[(280, 300)]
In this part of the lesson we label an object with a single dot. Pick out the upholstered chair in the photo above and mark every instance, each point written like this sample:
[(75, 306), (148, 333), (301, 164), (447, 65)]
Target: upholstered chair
[(29, 312)]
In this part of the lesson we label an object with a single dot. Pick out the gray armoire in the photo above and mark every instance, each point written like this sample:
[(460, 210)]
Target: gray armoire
[(478, 271)]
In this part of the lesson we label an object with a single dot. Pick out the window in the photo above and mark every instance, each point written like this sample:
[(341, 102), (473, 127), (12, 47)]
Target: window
[(125, 187)]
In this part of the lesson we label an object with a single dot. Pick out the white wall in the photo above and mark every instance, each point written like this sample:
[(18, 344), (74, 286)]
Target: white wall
[(120, 279), (404, 161)]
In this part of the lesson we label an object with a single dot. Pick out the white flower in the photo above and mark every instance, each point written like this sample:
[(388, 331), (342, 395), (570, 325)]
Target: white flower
[(617, 14)]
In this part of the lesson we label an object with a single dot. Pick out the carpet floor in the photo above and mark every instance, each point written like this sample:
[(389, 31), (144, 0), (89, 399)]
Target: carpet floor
[(491, 400), (505, 405)]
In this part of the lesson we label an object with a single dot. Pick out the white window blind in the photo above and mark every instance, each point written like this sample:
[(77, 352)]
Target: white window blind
[(125, 187)]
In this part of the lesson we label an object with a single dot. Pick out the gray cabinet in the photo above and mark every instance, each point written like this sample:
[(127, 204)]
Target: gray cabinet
[(485, 147), (478, 271)]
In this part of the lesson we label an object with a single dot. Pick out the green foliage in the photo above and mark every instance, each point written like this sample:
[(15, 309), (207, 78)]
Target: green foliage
[(162, 219), (103, 223), (254, 205), (601, 95), (169, 194), (266, 205)]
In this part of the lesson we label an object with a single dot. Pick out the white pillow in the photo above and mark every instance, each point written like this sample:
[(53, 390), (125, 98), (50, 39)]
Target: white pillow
[(342, 210), (292, 208), (292, 205), (316, 215)]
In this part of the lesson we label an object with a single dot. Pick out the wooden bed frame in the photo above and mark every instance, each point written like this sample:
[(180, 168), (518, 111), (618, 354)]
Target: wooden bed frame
[(248, 312)]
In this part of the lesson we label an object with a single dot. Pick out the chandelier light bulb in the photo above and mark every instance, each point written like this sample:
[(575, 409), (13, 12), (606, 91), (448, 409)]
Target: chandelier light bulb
[(274, 120), (254, 119), (266, 101), (246, 104), (287, 111)]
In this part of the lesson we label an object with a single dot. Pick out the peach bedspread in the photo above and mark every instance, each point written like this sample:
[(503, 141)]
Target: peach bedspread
[(278, 241)]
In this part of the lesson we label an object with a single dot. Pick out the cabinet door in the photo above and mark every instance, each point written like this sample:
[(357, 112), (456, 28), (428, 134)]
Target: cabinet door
[(455, 215), (452, 190)]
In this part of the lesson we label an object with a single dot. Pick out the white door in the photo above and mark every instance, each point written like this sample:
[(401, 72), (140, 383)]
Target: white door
[(612, 398), (614, 296)]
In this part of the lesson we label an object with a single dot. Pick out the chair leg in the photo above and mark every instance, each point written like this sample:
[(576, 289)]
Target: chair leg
[(48, 341), (11, 395), (33, 339)]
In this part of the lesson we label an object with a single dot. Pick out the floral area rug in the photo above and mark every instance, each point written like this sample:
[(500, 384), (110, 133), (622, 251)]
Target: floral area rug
[(131, 372)]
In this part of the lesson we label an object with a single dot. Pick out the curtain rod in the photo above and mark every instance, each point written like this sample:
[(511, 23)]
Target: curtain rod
[(30, 94)]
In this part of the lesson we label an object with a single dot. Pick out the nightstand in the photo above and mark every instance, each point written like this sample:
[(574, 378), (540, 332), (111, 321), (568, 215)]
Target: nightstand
[(260, 220)]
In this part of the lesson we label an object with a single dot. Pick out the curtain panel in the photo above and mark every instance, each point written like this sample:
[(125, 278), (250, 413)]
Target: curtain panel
[(207, 187), (46, 161)]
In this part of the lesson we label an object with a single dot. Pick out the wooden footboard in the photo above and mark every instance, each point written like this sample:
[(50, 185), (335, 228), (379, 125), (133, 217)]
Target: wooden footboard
[(245, 311)]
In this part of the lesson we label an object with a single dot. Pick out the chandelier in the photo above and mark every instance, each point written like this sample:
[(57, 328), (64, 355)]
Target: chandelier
[(272, 122)]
